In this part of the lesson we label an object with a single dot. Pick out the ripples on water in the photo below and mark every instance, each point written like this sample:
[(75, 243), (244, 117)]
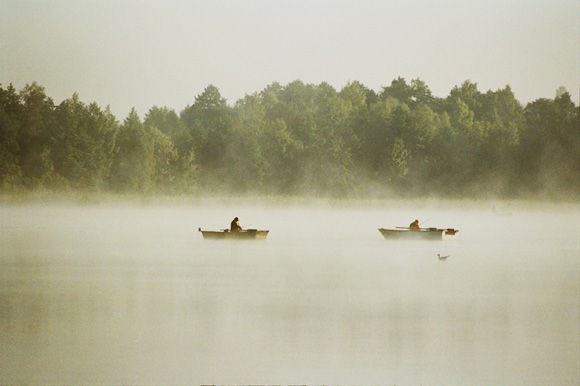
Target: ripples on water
[(113, 294)]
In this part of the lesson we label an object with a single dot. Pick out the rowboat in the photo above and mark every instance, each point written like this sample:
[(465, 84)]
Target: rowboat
[(245, 234), (423, 234)]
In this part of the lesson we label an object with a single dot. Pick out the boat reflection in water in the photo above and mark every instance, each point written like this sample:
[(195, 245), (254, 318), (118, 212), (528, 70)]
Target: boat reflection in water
[(245, 234), (423, 234)]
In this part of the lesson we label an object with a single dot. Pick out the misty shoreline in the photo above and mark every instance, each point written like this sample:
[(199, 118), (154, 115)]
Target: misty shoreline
[(79, 198)]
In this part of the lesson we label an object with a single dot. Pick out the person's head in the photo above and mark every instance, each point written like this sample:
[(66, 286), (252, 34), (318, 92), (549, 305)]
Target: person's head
[(236, 219), (416, 221)]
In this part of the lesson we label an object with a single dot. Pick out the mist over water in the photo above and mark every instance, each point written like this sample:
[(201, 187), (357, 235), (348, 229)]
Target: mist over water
[(133, 294)]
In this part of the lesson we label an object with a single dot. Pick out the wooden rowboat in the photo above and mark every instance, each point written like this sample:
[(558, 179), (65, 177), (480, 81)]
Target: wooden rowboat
[(245, 234), (423, 234)]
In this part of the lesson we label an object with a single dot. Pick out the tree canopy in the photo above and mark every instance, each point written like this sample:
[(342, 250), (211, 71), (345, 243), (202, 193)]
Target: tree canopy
[(299, 139)]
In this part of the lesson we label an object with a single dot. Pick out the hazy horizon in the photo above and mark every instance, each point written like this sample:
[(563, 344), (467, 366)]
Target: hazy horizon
[(142, 54)]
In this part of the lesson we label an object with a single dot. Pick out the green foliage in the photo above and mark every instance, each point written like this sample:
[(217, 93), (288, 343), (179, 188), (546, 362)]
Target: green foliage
[(549, 154), (414, 94), (35, 123), (83, 143), (10, 171), (208, 128), (133, 161), (298, 139), (163, 119)]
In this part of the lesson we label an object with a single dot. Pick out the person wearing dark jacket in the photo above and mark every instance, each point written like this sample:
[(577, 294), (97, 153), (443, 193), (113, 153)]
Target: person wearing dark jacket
[(414, 226), (234, 226)]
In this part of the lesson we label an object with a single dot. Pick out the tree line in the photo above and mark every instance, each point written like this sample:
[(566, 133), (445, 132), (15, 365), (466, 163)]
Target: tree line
[(298, 139)]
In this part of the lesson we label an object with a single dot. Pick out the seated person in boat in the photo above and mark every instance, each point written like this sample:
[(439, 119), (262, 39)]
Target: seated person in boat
[(234, 226), (414, 226)]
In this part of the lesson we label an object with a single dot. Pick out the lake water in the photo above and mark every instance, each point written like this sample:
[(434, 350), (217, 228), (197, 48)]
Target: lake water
[(129, 294)]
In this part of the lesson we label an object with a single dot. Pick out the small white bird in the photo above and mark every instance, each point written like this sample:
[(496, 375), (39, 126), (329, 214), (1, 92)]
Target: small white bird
[(442, 257)]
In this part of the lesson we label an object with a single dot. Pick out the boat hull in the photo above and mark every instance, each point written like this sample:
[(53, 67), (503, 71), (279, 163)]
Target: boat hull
[(247, 234), (423, 234)]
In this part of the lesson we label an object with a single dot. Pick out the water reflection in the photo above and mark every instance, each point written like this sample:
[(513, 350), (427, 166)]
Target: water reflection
[(151, 303)]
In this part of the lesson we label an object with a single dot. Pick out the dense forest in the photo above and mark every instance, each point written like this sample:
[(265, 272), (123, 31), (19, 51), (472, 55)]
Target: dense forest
[(298, 139)]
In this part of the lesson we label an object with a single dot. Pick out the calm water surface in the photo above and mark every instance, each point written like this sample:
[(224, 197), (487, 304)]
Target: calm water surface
[(128, 294)]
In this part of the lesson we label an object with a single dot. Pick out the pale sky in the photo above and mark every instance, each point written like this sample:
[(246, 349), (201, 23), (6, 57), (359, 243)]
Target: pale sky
[(164, 53)]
